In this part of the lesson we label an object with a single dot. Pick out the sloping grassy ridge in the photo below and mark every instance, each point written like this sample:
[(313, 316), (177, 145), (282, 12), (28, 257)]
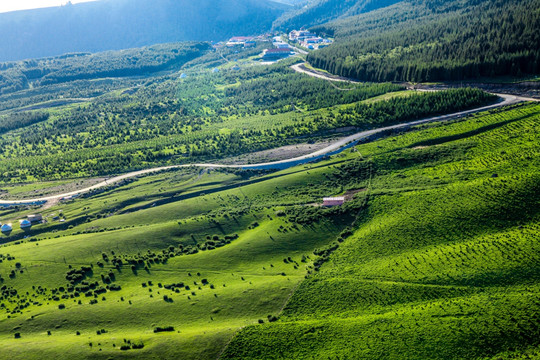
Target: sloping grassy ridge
[(433, 257), (443, 263)]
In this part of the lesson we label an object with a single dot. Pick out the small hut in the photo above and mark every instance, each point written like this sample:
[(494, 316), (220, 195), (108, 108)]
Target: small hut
[(36, 218)]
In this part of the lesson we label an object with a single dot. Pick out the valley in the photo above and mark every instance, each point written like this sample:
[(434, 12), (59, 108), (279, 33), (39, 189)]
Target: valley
[(198, 198)]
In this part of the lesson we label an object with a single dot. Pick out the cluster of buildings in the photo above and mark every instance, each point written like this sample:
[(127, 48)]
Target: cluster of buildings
[(246, 41), (308, 40), (280, 51), (242, 41)]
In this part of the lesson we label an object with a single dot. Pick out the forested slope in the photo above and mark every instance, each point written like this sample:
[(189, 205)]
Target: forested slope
[(321, 11), (122, 24), (435, 41)]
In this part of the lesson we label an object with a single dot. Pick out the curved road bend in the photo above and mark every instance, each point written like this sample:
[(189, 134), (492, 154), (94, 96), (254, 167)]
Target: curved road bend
[(301, 68), (334, 148)]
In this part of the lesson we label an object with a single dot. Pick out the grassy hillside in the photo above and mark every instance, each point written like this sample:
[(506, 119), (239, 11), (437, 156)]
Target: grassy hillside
[(173, 265), (441, 264), (205, 266), (435, 41)]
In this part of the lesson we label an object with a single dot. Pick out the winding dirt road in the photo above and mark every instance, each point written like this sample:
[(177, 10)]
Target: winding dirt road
[(332, 149)]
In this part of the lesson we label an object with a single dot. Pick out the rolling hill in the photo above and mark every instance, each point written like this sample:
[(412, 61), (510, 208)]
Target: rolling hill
[(440, 264), (433, 254)]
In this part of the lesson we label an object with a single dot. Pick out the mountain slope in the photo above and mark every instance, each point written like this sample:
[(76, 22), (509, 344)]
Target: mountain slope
[(121, 24), (435, 40), (321, 11), (443, 261), (15, 76)]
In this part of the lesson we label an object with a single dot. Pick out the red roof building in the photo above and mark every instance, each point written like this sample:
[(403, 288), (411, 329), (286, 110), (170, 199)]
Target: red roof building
[(275, 54)]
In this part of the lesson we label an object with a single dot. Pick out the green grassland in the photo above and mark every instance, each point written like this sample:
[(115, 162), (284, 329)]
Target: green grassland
[(434, 257), (247, 279), (442, 264)]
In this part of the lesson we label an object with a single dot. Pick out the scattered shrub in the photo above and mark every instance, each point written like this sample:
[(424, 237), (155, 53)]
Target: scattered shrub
[(163, 329)]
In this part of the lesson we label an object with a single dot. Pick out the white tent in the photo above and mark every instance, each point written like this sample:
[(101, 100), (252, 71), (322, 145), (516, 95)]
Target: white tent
[(25, 224)]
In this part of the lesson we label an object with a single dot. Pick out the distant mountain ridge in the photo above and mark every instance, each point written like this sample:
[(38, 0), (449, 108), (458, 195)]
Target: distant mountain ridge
[(120, 24)]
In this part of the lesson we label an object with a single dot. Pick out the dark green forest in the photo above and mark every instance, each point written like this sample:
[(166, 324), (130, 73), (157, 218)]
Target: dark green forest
[(413, 107), (437, 40)]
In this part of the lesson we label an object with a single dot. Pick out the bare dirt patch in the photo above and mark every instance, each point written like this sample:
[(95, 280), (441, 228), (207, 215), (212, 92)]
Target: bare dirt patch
[(349, 195), (277, 154), (49, 204)]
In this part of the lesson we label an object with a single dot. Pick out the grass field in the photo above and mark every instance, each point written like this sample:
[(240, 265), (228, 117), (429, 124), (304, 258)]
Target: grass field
[(434, 257), (442, 265), (246, 279)]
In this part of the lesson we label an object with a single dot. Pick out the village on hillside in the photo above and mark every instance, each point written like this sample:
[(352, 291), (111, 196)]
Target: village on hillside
[(281, 44), (308, 40)]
